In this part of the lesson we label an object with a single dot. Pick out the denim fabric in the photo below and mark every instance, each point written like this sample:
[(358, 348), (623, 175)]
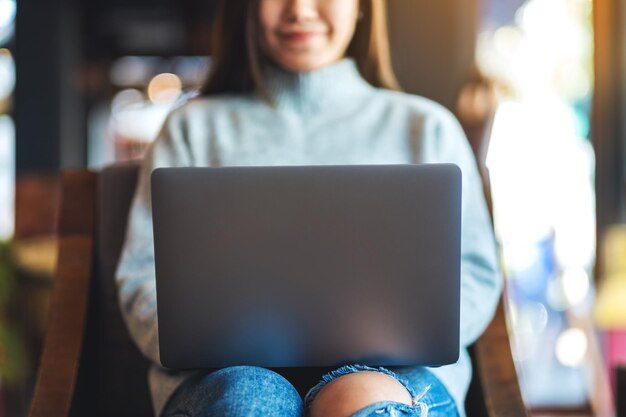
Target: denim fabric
[(430, 397), (235, 392), (250, 391)]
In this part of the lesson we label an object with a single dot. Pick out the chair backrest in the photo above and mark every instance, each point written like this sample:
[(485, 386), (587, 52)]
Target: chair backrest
[(112, 374), (89, 365)]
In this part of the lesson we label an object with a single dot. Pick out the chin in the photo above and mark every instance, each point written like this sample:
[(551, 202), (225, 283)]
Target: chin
[(304, 65)]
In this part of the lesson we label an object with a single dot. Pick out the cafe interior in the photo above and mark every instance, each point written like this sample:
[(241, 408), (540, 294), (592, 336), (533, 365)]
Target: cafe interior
[(539, 87)]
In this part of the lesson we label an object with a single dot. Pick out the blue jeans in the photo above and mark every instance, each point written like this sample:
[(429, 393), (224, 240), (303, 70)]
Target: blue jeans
[(255, 392)]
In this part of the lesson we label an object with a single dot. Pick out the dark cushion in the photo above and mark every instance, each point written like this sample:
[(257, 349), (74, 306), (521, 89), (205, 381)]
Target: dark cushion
[(113, 373)]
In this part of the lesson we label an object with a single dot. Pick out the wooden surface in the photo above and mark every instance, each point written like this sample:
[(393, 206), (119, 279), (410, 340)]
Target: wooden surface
[(62, 346), (497, 370), (37, 200)]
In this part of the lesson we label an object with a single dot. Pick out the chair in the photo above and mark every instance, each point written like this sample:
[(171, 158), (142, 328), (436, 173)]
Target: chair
[(89, 365)]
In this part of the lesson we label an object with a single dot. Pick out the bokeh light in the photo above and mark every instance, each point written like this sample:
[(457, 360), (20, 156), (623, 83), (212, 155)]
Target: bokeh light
[(7, 177), (541, 166), (576, 285), (165, 88), (131, 71), (7, 74), (126, 98), (571, 347), (7, 19)]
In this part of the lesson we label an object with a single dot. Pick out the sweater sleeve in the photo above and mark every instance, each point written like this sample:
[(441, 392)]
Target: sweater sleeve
[(135, 276), (481, 281)]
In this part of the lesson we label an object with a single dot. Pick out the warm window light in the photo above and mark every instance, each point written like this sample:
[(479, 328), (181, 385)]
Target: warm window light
[(610, 308), (571, 347), (541, 170), (164, 88)]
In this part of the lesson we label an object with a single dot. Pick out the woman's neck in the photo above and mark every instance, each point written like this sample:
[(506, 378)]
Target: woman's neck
[(307, 93)]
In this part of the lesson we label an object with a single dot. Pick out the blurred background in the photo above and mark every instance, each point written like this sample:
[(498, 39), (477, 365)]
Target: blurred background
[(87, 84)]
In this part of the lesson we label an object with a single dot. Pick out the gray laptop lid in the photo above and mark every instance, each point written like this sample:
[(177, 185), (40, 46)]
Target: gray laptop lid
[(307, 265)]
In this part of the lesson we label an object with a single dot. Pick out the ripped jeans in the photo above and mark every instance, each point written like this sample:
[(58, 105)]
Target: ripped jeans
[(254, 392)]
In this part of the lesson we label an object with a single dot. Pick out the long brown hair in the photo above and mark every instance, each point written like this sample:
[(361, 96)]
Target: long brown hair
[(237, 60)]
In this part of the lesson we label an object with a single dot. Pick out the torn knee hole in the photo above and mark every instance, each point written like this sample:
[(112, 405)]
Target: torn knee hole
[(351, 392)]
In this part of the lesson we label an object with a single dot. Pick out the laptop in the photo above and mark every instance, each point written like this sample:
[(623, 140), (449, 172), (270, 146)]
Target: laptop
[(284, 266)]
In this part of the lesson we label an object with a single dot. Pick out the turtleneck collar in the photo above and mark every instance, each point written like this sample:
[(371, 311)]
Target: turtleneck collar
[(307, 93)]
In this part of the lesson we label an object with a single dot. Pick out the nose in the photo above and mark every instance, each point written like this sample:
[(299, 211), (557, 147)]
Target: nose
[(301, 10)]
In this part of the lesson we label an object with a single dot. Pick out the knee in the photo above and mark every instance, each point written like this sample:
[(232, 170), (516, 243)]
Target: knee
[(250, 380), (351, 392), (241, 376), (249, 390)]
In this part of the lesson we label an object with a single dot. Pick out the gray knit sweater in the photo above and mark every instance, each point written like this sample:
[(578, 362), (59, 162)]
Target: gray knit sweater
[(329, 116)]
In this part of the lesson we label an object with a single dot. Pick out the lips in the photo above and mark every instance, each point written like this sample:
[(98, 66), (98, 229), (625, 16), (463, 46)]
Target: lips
[(299, 36)]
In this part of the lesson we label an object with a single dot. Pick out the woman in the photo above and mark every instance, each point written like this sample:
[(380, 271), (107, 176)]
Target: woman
[(299, 82)]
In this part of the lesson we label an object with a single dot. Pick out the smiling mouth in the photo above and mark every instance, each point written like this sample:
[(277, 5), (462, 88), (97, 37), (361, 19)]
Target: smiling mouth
[(299, 37)]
